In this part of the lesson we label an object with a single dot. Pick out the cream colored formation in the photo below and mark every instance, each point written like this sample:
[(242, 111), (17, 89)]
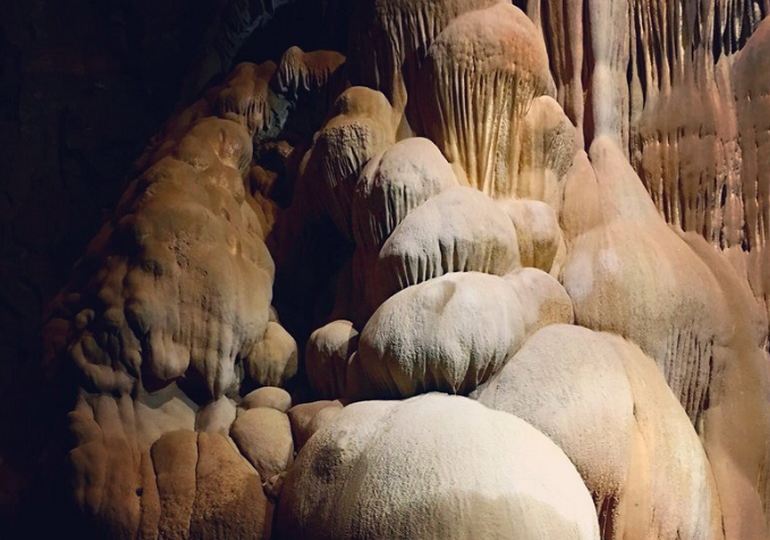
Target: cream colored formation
[(484, 326)]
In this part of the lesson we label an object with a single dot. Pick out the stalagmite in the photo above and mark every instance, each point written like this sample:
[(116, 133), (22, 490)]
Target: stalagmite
[(454, 332), (481, 75), (641, 458), (437, 210), (386, 469), (627, 272)]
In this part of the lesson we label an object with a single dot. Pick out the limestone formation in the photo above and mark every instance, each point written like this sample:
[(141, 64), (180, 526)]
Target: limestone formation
[(263, 435), (437, 212), (178, 283), (302, 72), (267, 396), (458, 230), (307, 418), (454, 332), (627, 272), (390, 39), (361, 126), (547, 149), (538, 234), (326, 357), (481, 75), (244, 96), (393, 184), (641, 458), (386, 469)]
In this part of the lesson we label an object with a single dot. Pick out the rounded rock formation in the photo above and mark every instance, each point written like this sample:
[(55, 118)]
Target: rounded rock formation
[(640, 458), (387, 469), (452, 333), (481, 74)]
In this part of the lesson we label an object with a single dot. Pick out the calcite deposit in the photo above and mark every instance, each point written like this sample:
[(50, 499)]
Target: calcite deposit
[(495, 271)]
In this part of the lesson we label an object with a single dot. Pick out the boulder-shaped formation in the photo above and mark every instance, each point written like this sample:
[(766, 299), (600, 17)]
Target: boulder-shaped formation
[(547, 150), (480, 77), (458, 230), (273, 360), (389, 40), (540, 240), (627, 272), (184, 484), (392, 184), (640, 457), (388, 469), (307, 418), (267, 396), (452, 333), (360, 127), (263, 435), (326, 357), (178, 282)]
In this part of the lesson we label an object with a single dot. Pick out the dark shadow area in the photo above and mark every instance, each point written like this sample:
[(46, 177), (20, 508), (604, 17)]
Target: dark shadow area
[(83, 87)]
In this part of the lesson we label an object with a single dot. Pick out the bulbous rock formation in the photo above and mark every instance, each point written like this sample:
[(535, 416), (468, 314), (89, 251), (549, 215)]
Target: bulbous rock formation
[(500, 177), (393, 184), (389, 40), (327, 354), (387, 469), (627, 272), (641, 458), (547, 149), (360, 128), (540, 240), (452, 333), (458, 230), (148, 302), (481, 75)]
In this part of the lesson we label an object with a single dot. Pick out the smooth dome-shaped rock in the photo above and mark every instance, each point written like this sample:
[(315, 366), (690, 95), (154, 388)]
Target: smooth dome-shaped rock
[(361, 126), (458, 230), (273, 360), (326, 357), (538, 235), (640, 457), (263, 436), (686, 307), (452, 333), (385, 469), (395, 182)]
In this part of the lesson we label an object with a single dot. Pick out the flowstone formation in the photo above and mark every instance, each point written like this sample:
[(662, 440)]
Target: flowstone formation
[(498, 273)]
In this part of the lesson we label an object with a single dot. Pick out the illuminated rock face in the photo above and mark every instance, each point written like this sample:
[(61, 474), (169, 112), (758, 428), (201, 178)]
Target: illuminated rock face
[(521, 206), (400, 469)]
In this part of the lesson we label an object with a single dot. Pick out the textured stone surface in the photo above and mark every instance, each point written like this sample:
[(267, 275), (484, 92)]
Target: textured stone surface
[(469, 174), (452, 333), (640, 458), (358, 477)]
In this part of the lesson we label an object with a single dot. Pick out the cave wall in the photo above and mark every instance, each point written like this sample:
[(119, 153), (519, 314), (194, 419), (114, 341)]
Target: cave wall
[(665, 96), (83, 87)]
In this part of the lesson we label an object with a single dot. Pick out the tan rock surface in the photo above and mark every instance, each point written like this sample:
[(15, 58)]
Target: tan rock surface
[(640, 457), (452, 333), (480, 76), (387, 469)]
